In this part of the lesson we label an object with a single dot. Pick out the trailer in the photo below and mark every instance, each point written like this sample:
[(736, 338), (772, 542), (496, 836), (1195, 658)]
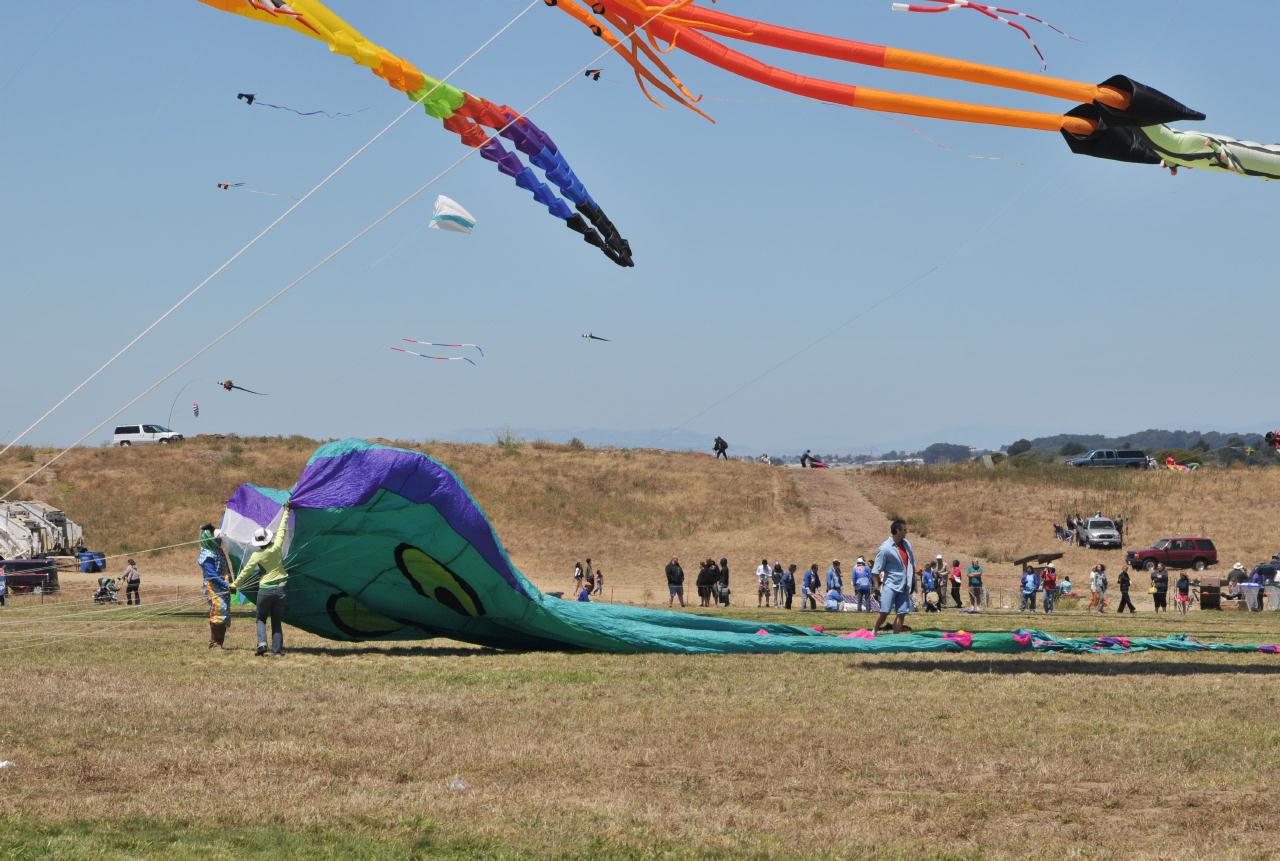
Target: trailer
[(33, 529)]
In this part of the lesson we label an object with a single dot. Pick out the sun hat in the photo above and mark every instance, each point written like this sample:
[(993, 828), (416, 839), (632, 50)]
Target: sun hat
[(261, 537), (861, 561), (1237, 567)]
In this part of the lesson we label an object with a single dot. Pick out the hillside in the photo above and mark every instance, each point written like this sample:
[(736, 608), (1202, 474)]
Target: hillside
[(551, 505), (1010, 511), (630, 511)]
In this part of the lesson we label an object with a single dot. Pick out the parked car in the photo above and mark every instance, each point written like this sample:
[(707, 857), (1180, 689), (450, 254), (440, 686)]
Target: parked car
[(1098, 532), (1110, 458), (1182, 551), (144, 435), (23, 575)]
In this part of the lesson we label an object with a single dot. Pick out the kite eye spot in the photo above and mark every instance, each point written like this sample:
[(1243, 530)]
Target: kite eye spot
[(432, 579)]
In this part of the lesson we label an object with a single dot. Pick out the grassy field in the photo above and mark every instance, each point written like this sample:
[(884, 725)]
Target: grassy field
[(141, 744), (130, 740)]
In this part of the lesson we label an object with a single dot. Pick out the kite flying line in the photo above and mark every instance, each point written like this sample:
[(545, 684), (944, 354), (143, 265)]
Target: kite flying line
[(270, 227), (324, 261)]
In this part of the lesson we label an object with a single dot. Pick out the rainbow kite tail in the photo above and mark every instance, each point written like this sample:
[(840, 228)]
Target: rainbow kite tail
[(469, 121)]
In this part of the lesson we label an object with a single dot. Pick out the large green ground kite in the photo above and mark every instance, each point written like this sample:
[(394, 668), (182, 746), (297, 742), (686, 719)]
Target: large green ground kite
[(386, 544)]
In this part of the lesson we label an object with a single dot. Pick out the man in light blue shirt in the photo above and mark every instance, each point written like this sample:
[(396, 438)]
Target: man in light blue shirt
[(835, 580), (895, 564)]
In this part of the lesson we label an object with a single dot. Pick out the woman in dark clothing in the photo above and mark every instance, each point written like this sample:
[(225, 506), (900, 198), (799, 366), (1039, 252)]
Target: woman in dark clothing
[(789, 585), (724, 582), (707, 575), (1125, 600), (1160, 587)]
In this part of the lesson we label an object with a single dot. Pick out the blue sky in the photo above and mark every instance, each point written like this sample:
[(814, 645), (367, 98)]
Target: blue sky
[(1066, 293)]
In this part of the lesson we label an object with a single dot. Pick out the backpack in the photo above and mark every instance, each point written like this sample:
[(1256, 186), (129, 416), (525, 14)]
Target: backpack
[(1102, 581)]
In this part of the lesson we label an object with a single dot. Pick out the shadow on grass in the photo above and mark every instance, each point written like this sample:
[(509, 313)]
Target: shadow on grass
[(398, 651), (1089, 665)]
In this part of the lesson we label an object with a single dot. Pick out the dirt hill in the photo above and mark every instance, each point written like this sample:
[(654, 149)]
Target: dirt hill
[(630, 511)]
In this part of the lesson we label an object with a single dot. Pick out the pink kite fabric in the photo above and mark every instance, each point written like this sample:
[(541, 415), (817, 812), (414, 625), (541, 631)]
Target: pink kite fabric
[(860, 634), (762, 632), (963, 638)]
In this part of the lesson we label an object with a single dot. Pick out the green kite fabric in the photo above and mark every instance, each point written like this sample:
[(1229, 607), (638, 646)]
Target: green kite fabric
[(386, 544)]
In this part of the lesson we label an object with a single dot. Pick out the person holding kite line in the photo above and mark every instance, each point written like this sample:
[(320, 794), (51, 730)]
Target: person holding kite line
[(265, 569), (894, 564), (217, 591)]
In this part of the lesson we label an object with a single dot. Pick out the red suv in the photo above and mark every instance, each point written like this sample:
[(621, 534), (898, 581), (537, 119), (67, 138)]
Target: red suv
[(1182, 551)]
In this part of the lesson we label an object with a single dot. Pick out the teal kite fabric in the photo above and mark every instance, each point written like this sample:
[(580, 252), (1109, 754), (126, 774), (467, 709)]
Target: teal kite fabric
[(386, 544)]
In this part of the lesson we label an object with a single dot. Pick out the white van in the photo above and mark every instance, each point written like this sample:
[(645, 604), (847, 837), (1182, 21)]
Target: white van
[(144, 435)]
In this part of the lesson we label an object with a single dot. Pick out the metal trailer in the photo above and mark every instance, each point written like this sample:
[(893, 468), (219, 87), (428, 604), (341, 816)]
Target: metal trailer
[(32, 528)]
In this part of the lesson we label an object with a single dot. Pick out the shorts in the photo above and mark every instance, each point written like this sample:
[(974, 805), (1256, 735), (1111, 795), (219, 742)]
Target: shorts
[(895, 602), (676, 591), (1184, 599)]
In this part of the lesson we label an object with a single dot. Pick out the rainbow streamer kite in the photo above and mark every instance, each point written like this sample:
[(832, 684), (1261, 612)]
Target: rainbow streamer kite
[(465, 114)]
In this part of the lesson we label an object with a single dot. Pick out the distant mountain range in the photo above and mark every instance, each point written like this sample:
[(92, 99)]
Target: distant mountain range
[(1147, 439)]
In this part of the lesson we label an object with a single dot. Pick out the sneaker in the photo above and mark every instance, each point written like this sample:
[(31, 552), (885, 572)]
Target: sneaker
[(261, 650)]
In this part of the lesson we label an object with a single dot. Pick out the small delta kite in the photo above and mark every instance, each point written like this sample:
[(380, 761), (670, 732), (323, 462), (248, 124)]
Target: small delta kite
[(450, 215), (228, 385), (591, 337)]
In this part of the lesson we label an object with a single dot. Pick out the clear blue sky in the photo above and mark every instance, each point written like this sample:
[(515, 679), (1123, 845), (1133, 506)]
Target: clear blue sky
[(1073, 294)]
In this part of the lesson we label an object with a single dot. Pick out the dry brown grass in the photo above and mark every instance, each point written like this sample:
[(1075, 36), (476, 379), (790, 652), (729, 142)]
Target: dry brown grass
[(896, 757), (211, 756)]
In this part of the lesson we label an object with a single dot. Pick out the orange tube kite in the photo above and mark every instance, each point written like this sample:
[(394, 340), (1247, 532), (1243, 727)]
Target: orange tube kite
[(1104, 123)]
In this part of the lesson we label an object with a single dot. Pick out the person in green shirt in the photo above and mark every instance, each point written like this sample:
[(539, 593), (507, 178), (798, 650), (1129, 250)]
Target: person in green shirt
[(975, 584), (265, 569)]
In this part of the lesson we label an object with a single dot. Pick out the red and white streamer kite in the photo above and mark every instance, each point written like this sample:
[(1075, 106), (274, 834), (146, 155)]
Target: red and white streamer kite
[(995, 13)]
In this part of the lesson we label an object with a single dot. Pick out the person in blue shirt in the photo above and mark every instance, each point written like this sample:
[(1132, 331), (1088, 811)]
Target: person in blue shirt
[(929, 586), (812, 584), (895, 564), (1030, 586), (835, 580), (861, 575), (217, 589), (833, 600)]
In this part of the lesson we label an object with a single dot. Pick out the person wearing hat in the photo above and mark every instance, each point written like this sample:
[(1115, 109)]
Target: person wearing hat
[(265, 569), (861, 576), (940, 570), (1049, 583), (217, 591)]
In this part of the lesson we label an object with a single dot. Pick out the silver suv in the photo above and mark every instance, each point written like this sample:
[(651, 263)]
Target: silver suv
[(1098, 532)]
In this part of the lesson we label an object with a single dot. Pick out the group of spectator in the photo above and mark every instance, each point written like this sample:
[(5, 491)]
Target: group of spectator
[(888, 585), (587, 581)]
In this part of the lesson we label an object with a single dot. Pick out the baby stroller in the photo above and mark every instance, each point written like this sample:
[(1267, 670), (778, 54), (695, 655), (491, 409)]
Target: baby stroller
[(106, 593)]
